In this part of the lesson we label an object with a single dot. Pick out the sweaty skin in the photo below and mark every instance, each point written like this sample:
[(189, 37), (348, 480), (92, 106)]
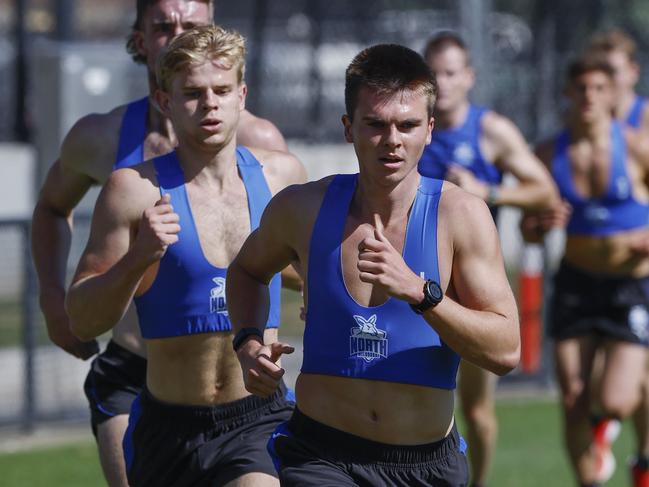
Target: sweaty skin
[(388, 133)]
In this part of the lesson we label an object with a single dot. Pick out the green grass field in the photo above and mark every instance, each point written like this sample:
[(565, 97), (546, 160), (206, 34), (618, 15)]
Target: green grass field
[(530, 454)]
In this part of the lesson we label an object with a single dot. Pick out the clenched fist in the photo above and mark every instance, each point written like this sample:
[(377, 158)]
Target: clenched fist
[(157, 230)]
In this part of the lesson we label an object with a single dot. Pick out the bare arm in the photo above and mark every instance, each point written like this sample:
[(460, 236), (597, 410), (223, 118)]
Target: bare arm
[(82, 163), (266, 251), (481, 323), (535, 223), (283, 169), (50, 240), (505, 146), (535, 189), (127, 236), (259, 132)]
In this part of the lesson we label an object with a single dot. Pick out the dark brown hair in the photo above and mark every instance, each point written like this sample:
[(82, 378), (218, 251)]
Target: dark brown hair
[(589, 63), (387, 69)]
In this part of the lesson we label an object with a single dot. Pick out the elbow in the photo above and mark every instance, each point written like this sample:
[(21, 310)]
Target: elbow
[(507, 362), (548, 197), (509, 358)]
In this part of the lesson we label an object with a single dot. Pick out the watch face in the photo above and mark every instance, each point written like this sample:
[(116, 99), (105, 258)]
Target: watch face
[(435, 291)]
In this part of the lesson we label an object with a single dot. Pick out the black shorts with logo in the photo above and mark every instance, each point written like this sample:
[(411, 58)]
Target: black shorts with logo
[(309, 453), (115, 379), (608, 307), (172, 445)]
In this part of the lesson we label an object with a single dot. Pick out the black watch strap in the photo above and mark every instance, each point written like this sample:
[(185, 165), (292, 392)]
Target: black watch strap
[(244, 333), (433, 294)]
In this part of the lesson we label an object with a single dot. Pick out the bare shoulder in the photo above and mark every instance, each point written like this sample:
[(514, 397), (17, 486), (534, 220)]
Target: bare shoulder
[(90, 147), (465, 216), (301, 197), (280, 168), (499, 128), (130, 190), (254, 131), (297, 206)]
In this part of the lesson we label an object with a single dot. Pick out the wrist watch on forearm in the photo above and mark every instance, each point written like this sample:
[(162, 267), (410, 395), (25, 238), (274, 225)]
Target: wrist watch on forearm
[(433, 294)]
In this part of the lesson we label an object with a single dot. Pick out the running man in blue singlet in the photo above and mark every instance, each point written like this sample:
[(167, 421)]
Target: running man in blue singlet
[(94, 147), (403, 277), (164, 232), (601, 291), (633, 110), (474, 147)]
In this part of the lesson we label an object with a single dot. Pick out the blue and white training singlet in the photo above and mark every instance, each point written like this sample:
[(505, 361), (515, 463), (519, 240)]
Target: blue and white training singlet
[(615, 211), (188, 293), (461, 146), (388, 342)]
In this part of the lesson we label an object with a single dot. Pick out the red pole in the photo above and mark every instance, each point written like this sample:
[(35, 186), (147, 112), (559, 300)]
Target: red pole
[(530, 297)]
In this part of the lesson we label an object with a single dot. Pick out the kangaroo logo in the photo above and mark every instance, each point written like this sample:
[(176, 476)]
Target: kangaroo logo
[(217, 297), (367, 341), (464, 154)]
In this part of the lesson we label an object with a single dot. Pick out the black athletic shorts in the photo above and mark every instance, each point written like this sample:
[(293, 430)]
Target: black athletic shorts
[(608, 307), (115, 379), (171, 445), (309, 453)]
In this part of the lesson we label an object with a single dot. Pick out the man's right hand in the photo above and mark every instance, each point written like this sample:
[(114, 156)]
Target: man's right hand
[(58, 329), (261, 374), (157, 230)]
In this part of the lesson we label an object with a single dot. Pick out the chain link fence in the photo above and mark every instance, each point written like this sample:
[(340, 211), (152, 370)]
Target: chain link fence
[(39, 382)]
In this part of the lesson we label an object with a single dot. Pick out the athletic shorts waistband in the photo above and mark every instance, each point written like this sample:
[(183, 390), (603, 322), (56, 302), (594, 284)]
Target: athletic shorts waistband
[(594, 278), (242, 410), (352, 448)]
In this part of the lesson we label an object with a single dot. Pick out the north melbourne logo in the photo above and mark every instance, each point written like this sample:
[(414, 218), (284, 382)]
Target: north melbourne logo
[(217, 297), (367, 341)]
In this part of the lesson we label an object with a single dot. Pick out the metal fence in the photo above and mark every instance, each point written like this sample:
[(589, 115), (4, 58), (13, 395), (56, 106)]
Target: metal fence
[(39, 382)]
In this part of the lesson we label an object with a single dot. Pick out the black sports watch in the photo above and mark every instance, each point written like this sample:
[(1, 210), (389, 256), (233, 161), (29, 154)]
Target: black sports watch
[(432, 296), (244, 333)]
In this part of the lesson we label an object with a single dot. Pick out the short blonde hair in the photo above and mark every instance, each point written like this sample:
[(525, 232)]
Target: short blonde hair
[(198, 45), (613, 40)]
